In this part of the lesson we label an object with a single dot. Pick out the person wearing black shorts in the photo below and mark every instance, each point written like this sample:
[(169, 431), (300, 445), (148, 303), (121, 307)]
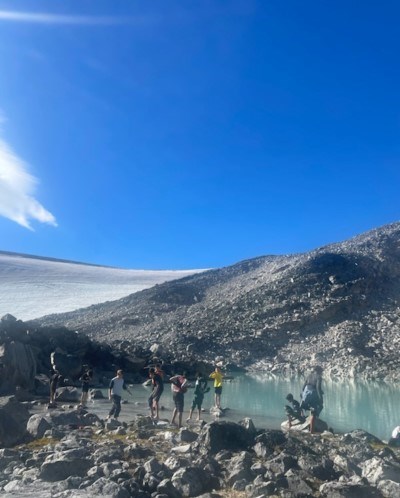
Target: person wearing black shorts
[(85, 379), (178, 387), (200, 389), (158, 388)]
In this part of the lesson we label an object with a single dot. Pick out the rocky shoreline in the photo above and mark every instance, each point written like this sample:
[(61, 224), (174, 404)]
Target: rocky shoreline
[(66, 453)]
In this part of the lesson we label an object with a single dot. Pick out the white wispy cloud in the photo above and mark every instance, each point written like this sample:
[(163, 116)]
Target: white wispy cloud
[(17, 188), (48, 18)]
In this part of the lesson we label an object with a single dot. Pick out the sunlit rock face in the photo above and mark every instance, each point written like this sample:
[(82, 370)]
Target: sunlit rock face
[(337, 306)]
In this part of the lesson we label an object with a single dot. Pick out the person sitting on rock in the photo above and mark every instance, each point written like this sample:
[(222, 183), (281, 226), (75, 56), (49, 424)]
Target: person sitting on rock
[(395, 439), (294, 412), (200, 389), (158, 388), (312, 395), (178, 387)]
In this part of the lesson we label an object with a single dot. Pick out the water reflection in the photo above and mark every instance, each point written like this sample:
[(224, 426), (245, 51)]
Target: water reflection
[(372, 406)]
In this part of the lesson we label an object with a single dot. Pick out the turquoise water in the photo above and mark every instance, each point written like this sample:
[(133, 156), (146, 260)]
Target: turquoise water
[(374, 407), (349, 405)]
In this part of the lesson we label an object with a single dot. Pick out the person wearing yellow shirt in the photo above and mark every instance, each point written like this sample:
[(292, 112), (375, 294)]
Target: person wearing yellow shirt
[(217, 376)]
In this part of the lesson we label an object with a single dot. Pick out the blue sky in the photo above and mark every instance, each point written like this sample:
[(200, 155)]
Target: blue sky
[(194, 134)]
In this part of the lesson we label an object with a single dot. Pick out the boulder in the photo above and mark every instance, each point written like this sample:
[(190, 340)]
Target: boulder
[(337, 489), (58, 467), (389, 489), (190, 481), (69, 365), (223, 435), (38, 424), (319, 425), (18, 366), (68, 393), (266, 442), (376, 470), (13, 419)]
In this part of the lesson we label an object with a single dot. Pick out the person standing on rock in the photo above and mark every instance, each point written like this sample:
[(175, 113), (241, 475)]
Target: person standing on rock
[(178, 387), (158, 388), (217, 376), (117, 385), (55, 379), (85, 379), (312, 395), (200, 389)]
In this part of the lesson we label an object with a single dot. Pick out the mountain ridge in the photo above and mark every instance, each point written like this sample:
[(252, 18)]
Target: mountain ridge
[(271, 312)]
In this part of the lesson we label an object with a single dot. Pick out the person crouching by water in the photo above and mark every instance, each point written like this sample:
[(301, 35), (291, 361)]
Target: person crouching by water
[(218, 377), (117, 385), (85, 379), (293, 411), (312, 395), (158, 388), (178, 387)]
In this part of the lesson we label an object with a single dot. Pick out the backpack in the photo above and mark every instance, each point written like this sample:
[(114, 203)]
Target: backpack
[(177, 383)]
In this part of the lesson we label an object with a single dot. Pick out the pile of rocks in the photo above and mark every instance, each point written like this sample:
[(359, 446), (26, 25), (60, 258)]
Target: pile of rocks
[(76, 454)]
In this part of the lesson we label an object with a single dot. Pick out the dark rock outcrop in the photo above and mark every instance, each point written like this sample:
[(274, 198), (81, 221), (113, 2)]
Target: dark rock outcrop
[(13, 419)]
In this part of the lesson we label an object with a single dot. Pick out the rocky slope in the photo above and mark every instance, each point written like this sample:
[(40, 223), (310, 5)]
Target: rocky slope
[(337, 305)]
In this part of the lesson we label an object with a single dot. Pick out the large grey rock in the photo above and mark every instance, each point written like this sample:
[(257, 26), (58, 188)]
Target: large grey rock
[(266, 442), (167, 488), (190, 481), (58, 467), (217, 436), (38, 424), (348, 490), (389, 489), (68, 393), (106, 488), (319, 426), (19, 366), (69, 365), (13, 419), (376, 470)]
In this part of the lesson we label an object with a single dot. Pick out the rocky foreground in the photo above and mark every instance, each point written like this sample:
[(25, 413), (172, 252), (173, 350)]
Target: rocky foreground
[(73, 453), (338, 306)]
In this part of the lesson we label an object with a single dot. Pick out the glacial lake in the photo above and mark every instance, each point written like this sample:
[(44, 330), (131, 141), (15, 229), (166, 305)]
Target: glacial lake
[(348, 405)]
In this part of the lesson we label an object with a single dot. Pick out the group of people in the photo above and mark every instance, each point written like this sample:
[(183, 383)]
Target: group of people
[(311, 396), (56, 379), (179, 385)]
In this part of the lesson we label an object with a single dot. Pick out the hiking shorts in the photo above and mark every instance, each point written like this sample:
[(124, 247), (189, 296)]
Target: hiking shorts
[(179, 401), (197, 402)]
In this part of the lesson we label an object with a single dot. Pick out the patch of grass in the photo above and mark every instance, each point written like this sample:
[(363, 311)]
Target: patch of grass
[(38, 444)]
